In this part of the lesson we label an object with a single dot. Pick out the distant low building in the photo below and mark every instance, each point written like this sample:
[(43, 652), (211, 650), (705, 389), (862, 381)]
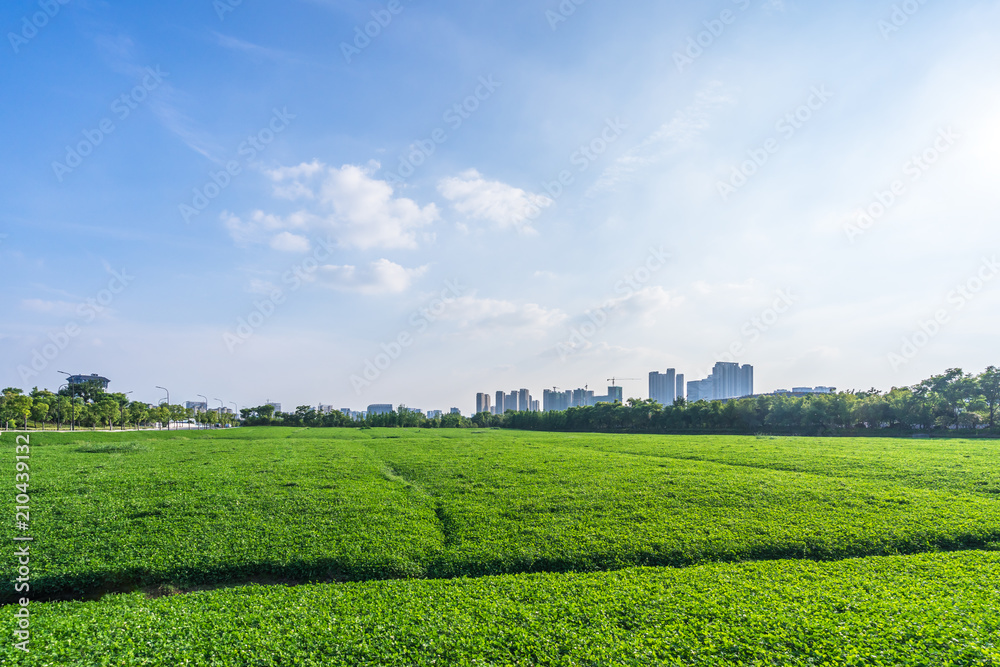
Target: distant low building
[(435, 414), (276, 406), (803, 391), (380, 409), (197, 406), (84, 379)]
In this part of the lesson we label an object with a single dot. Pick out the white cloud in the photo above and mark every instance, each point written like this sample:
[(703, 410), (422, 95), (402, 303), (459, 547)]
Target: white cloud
[(380, 277), (505, 206), (288, 242), (367, 214), (347, 203)]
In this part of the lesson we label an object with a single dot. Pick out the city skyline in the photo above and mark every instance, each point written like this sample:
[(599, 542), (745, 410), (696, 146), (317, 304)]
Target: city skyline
[(520, 399)]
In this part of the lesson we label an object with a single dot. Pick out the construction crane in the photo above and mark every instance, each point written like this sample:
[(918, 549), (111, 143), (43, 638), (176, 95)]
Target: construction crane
[(614, 380)]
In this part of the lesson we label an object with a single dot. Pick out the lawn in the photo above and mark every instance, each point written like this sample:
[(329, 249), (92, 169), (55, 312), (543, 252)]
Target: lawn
[(486, 547), (932, 610), (113, 512)]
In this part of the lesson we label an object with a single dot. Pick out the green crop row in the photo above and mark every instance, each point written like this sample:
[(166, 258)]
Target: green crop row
[(928, 610), (115, 512)]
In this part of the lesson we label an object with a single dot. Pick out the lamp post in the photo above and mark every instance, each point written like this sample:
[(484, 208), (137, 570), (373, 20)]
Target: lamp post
[(168, 404), (121, 409), (72, 401), (222, 406), (206, 409), (59, 419)]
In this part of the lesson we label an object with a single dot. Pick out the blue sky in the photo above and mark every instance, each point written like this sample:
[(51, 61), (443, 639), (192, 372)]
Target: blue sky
[(250, 201)]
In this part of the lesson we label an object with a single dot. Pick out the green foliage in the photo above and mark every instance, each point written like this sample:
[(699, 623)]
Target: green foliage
[(200, 508), (937, 609)]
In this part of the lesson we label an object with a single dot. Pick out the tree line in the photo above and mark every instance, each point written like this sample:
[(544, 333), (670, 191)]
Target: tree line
[(308, 416), (87, 405), (952, 402)]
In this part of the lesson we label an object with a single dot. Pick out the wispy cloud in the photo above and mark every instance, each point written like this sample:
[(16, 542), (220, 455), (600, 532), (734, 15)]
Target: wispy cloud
[(501, 320), (257, 51), (677, 133)]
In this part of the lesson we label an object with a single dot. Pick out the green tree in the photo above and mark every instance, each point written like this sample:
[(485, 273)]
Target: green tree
[(138, 413), (39, 411), (950, 393), (16, 407), (106, 411), (989, 387)]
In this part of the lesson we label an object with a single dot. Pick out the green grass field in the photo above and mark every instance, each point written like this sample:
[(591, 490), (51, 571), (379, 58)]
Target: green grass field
[(640, 544)]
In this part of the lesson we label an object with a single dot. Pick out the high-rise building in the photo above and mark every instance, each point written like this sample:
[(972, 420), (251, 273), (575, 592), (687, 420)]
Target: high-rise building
[(663, 386), (535, 406), (732, 380), (556, 401), (727, 380), (746, 380), (700, 390), (511, 402), (524, 400), (380, 409), (501, 405), (456, 411), (581, 398), (482, 403), (680, 386)]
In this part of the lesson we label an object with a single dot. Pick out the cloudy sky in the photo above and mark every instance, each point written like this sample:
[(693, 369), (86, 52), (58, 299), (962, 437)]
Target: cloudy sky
[(351, 202)]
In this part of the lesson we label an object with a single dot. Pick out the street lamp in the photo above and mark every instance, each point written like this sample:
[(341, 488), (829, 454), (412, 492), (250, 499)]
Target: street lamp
[(206, 408), (168, 404), (121, 409), (222, 406), (60, 418)]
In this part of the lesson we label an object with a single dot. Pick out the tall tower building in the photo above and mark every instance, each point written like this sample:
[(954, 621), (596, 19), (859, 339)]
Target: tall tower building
[(746, 380), (482, 403), (730, 380), (511, 402), (663, 386), (556, 401), (501, 406), (680, 386), (725, 380), (524, 400)]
